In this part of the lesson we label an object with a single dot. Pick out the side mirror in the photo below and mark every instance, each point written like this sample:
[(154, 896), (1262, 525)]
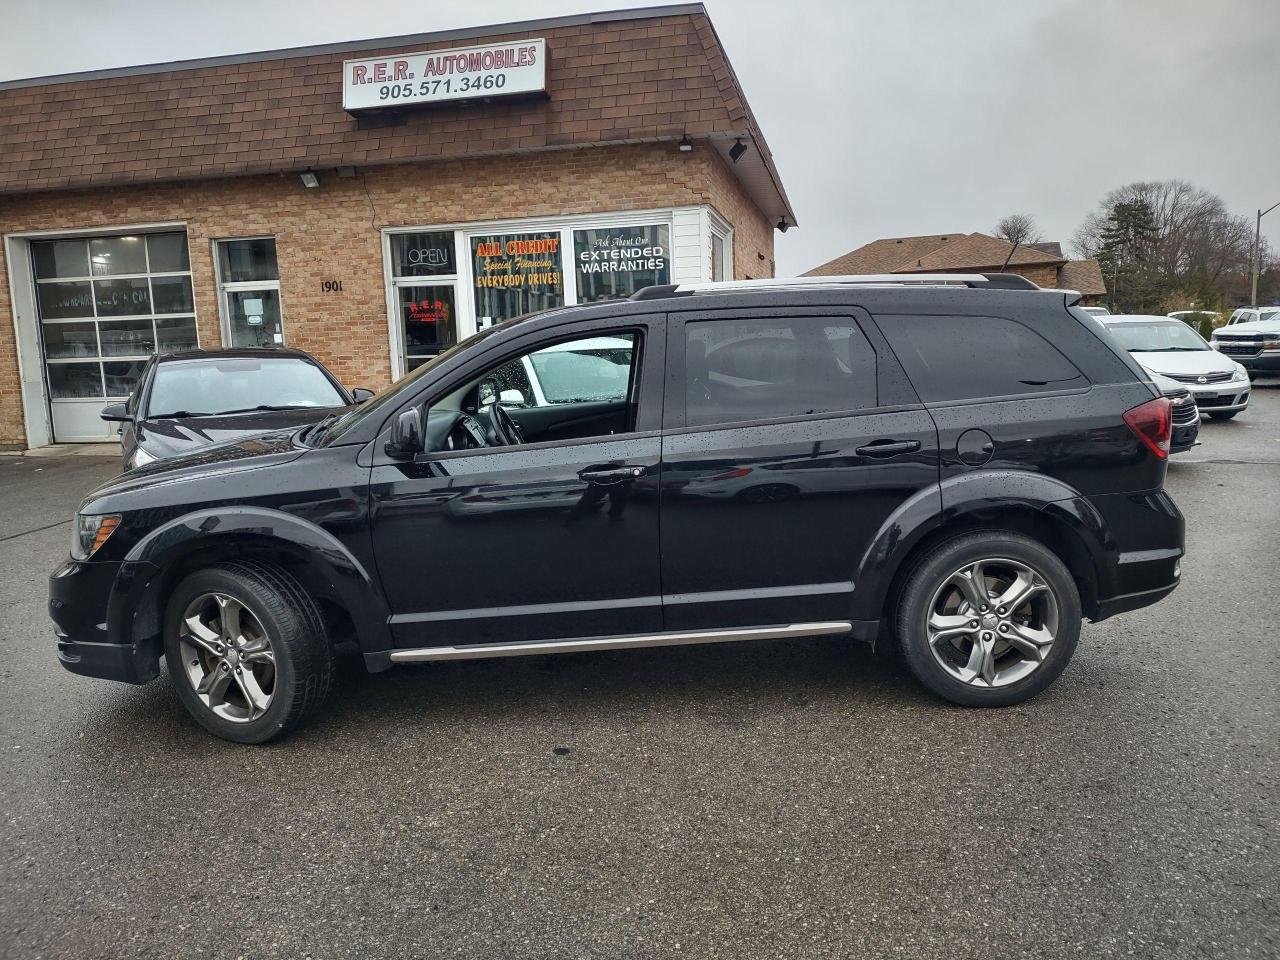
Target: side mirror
[(511, 397), (115, 413), (361, 394), (406, 434)]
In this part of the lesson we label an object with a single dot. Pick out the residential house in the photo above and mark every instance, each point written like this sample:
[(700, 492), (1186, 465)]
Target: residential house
[(1042, 263)]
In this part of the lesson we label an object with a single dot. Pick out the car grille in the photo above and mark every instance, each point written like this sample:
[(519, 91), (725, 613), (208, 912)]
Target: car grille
[(1196, 378), (1185, 412), (1239, 348)]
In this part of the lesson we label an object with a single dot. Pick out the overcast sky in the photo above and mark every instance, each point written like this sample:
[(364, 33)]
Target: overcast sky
[(887, 118)]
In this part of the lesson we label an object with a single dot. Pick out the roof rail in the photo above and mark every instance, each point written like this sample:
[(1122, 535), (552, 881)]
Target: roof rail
[(1004, 281)]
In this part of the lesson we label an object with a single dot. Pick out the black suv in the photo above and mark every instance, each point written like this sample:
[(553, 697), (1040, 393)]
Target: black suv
[(966, 467)]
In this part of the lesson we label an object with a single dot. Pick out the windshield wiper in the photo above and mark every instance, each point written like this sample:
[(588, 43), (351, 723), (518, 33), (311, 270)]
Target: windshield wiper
[(313, 434), (267, 406), (177, 415)]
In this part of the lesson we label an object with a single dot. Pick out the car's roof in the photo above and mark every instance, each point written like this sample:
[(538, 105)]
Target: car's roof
[(235, 353)]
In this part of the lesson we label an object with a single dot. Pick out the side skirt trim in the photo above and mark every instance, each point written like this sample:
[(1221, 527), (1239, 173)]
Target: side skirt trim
[(676, 638)]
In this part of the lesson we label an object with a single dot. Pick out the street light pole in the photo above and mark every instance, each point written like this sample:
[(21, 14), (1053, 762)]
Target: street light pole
[(1257, 252)]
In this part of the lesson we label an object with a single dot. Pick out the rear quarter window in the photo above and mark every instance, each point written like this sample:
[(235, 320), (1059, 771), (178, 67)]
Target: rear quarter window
[(969, 358)]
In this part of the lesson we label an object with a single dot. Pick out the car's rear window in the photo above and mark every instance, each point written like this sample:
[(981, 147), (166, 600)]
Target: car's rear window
[(969, 358), (194, 387)]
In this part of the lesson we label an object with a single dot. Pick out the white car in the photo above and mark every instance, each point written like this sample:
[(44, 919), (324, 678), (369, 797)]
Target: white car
[(1172, 349), (1183, 315), (1254, 343), (1097, 311), (1253, 315)]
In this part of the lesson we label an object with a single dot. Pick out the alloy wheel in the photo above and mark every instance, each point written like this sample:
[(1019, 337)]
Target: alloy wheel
[(228, 657), (992, 622)]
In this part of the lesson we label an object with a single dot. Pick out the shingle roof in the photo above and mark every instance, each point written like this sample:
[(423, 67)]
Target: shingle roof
[(1084, 276), (881, 256), (977, 250), (1052, 247), (622, 76), (941, 251)]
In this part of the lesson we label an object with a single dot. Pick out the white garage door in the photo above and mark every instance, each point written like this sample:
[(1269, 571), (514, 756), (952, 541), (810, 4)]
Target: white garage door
[(106, 304)]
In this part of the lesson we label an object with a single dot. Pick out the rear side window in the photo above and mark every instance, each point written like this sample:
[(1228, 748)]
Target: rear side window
[(966, 358), (745, 369)]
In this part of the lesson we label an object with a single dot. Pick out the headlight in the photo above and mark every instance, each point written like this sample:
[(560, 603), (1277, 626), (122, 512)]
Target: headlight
[(139, 457), (90, 532), (1241, 373)]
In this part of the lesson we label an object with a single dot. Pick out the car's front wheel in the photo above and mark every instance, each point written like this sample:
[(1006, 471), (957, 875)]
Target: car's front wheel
[(247, 650), (988, 618)]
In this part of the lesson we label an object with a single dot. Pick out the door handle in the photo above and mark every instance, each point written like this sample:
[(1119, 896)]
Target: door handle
[(611, 473), (888, 448)]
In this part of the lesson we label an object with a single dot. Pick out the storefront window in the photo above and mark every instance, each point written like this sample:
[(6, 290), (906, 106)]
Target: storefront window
[(516, 273), (615, 262)]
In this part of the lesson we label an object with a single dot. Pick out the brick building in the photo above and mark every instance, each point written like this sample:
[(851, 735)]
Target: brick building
[(1041, 263), (370, 202)]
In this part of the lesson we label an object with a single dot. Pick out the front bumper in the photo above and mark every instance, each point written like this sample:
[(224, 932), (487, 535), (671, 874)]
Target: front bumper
[(1265, 364), (1220, 397), (1184, 436), (88, 605)]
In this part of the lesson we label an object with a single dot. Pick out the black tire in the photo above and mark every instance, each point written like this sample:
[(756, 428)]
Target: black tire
[(928, 575), (1225, 415), (303, 655)]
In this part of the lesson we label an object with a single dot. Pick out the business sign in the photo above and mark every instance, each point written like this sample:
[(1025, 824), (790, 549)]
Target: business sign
[(516, 273), (466, 73)]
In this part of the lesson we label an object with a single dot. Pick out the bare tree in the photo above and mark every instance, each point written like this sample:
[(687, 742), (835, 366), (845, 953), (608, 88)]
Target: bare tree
[(1018, 229), (1199, 248)]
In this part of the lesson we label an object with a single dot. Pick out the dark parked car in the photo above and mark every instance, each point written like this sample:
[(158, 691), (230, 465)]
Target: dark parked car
[(966, 469), (191, 399)]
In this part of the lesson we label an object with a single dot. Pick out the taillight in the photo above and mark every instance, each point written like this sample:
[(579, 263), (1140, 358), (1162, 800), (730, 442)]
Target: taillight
[(1153, 423)]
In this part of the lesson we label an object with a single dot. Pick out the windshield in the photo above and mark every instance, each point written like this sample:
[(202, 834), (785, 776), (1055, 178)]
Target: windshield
[(1156, 337), (196, 388)]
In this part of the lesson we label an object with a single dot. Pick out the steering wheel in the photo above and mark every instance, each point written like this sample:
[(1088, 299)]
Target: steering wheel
[(506, 432)]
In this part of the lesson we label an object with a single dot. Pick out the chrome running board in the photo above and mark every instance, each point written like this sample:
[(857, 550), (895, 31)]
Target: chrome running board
[(532, 648)]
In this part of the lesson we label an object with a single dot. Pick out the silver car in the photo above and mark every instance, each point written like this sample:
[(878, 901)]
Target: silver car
[(1172, 349)]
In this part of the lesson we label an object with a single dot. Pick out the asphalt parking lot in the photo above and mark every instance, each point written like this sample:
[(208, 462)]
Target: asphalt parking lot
[(794, 799)]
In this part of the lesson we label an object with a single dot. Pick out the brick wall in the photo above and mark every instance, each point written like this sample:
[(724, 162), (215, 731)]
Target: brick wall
[(1041, 276), (612, 81), (334, 233), (752, 231)]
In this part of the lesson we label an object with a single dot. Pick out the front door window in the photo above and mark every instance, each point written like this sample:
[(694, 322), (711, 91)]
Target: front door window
[(249, 278), (428, 321), (424, 273), (253, 317)]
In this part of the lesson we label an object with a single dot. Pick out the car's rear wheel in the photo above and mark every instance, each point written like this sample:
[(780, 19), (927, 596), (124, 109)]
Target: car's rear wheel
[(247, 650), (988, 618), (1225, 415)]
